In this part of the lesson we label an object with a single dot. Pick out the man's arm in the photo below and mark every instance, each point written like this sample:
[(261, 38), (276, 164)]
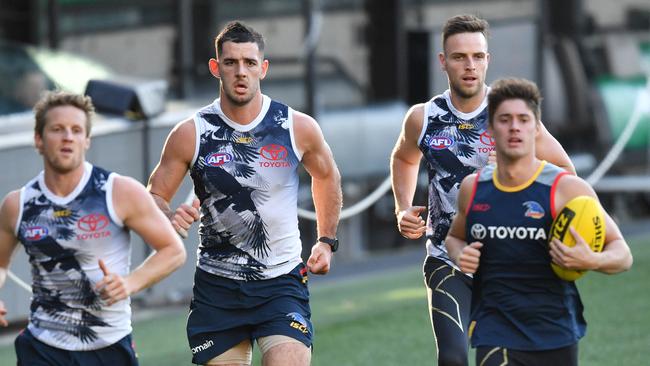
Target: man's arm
[(168, 175), (139, 212), (404, 166), (319, 162), (8, 241), (465, 256), (616, 255), (549, 149)]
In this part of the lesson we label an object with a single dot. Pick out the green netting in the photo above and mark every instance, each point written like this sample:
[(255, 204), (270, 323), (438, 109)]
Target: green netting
[(619, 97), (645, 49)]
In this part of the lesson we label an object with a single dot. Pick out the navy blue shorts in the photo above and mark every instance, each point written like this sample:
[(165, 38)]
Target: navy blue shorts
[(224, 312), (32, 352)]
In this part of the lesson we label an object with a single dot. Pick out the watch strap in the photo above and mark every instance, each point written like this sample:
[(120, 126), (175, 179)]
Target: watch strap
[(333, 242)]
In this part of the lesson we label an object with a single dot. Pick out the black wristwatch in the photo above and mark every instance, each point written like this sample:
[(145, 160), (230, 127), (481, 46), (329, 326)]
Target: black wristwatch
[(333, 242)]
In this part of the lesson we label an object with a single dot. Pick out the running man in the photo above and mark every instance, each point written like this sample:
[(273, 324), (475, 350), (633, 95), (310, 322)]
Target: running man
[(242, 152), (74, 221), (450, 131), (522, 313)]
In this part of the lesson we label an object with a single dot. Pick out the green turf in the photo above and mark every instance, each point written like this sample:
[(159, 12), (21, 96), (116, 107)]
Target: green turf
[(382, 320), (616, 309), (7, 355), (370, 322)]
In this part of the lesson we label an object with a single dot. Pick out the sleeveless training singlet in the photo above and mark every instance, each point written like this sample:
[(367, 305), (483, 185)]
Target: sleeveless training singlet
[(64, 238), (246, 179), (454, 145), (517, 301)]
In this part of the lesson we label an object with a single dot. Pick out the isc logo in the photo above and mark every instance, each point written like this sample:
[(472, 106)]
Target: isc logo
[(301, 327), (36, 233), (440, 142), (218, 159)]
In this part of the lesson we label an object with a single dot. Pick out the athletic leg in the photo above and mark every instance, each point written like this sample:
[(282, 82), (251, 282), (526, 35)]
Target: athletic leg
[(239, 355), (449, 295), (282, 350), (494, 356)]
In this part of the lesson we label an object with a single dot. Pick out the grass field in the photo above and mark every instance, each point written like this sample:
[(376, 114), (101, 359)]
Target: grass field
[(383, 320)]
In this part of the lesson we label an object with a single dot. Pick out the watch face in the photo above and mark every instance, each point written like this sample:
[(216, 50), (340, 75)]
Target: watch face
[(335, 245)]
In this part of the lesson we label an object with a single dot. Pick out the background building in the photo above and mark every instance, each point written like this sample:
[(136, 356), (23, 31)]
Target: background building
[(355, 64)]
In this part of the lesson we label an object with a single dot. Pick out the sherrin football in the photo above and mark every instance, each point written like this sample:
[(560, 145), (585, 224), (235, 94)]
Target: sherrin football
[(585, 215)]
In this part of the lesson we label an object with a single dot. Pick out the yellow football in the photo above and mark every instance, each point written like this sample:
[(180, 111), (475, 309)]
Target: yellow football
[(585, 215)]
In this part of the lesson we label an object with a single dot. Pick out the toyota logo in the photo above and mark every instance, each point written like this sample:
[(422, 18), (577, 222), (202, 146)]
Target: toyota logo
[(92, 222), (478, 231), (487, 139), (274, 152)]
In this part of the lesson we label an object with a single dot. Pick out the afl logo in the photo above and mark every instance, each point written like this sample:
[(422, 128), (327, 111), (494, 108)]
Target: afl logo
[(92, 222), (34, 233), (440, 142), (478, 231), (487, 139), (274, 152), (218, 159)]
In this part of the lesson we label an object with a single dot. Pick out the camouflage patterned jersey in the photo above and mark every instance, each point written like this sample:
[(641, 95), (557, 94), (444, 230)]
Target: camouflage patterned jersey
[(454, 144), (246, 179), (64, 238)]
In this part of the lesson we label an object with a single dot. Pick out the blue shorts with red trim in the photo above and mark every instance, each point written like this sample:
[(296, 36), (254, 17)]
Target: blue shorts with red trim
[(224, 312)]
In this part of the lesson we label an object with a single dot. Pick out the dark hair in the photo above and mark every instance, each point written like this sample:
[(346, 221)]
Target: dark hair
[(464, 23), (57, 99), (507, 89), (238, 32)]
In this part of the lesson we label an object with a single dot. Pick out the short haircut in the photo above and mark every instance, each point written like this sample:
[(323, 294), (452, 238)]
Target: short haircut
[(58, 99), (464, 23), (512, 88), (238, 32)]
